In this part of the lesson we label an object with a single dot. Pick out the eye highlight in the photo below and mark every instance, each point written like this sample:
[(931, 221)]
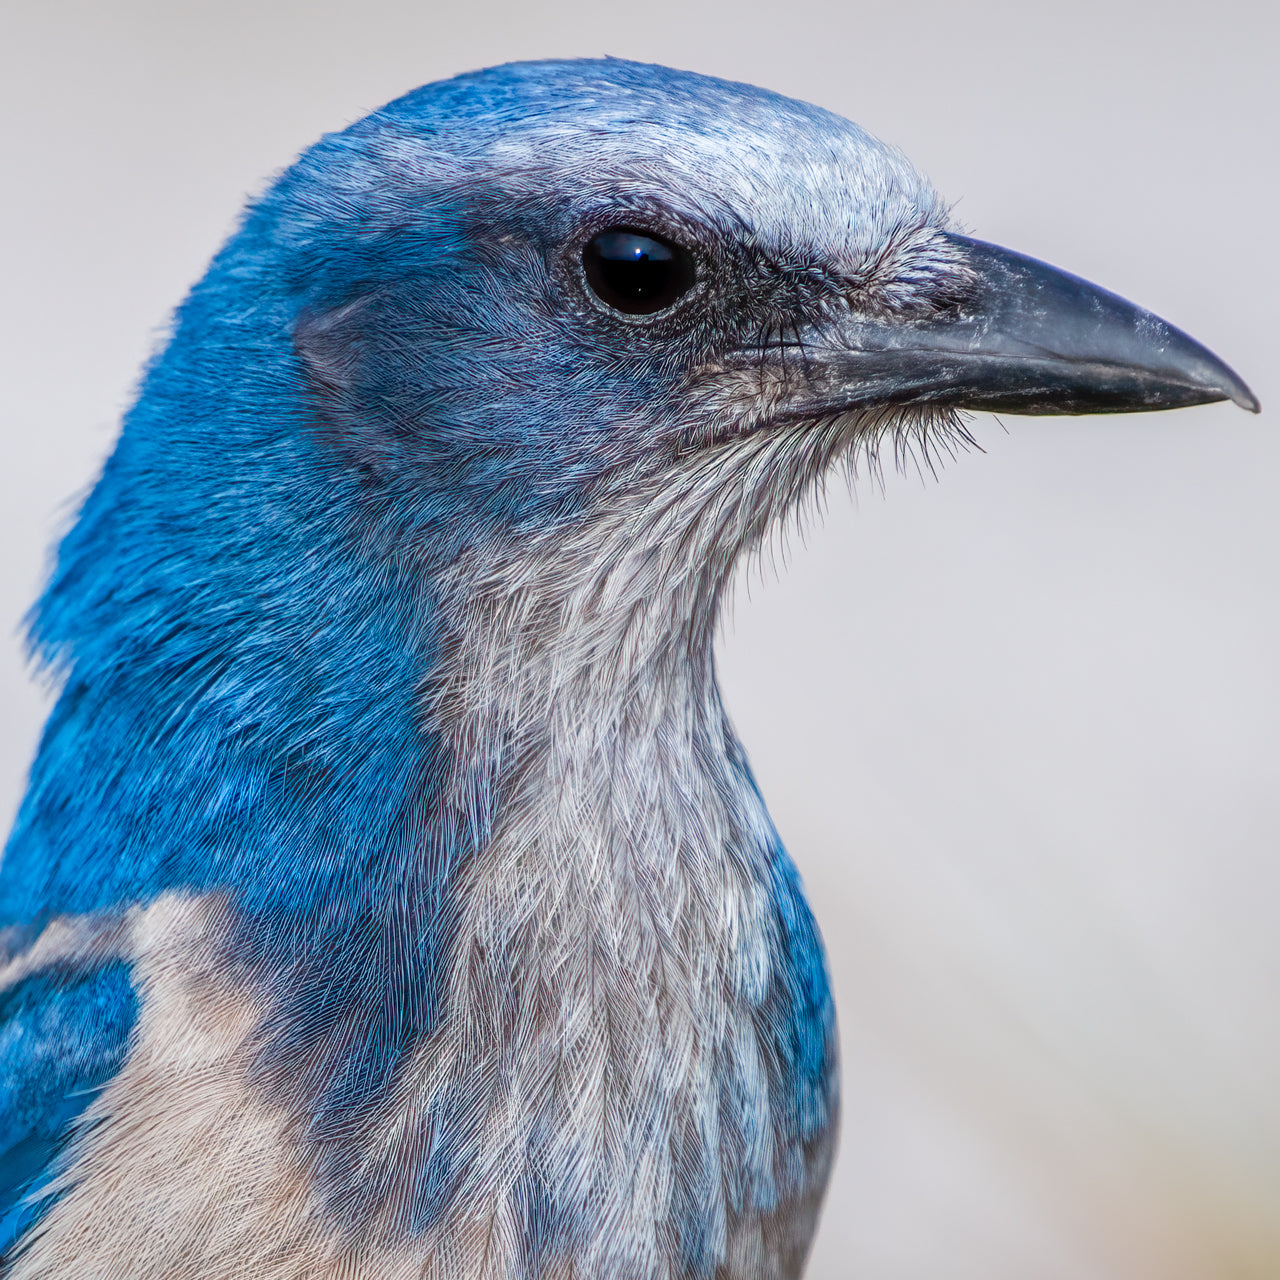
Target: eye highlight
[(636, 272)]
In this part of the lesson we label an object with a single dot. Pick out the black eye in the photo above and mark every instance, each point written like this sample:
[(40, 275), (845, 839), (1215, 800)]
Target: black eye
[(636, 272)]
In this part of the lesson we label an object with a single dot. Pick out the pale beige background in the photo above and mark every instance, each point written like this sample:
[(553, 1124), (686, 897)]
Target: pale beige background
[(1019, 726)]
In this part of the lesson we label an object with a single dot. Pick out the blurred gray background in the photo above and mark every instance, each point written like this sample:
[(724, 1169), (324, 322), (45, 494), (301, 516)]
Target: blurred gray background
[(1018, 725)]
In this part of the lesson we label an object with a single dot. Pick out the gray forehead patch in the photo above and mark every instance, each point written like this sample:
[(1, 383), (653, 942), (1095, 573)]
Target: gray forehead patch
[(797, 180)]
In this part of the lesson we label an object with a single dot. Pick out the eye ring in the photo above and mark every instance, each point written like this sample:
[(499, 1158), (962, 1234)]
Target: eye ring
[(636, 271)]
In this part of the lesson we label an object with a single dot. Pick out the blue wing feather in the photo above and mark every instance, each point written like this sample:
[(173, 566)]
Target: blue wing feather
[(63, 1035)]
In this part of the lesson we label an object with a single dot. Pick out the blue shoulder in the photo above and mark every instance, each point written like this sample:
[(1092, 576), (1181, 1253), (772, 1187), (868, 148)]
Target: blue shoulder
[(63, 1034)]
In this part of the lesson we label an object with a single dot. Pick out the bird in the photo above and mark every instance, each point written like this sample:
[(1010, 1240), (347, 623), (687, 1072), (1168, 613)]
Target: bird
[(391, 895)]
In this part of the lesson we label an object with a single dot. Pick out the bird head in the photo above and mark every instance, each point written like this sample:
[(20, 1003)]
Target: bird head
[(551, 293)]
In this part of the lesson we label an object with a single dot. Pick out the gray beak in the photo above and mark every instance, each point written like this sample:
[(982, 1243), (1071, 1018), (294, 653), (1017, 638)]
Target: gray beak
[(1025, 338)]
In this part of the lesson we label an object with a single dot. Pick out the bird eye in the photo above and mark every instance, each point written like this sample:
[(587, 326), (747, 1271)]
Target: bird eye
[(635, 272)]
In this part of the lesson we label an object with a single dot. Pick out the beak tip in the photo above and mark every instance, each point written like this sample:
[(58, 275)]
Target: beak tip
[(1200, 367), (1234, 389)]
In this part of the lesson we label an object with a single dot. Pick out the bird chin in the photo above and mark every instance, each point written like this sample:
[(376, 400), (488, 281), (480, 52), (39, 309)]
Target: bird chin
[(763, 405)]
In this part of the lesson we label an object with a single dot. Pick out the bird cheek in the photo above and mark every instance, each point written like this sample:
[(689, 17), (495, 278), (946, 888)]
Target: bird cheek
[(348, 413), (327, 344)]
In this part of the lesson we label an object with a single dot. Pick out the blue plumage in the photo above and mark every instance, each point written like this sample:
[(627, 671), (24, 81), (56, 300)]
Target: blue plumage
[(63, 1035), (391, 895)]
